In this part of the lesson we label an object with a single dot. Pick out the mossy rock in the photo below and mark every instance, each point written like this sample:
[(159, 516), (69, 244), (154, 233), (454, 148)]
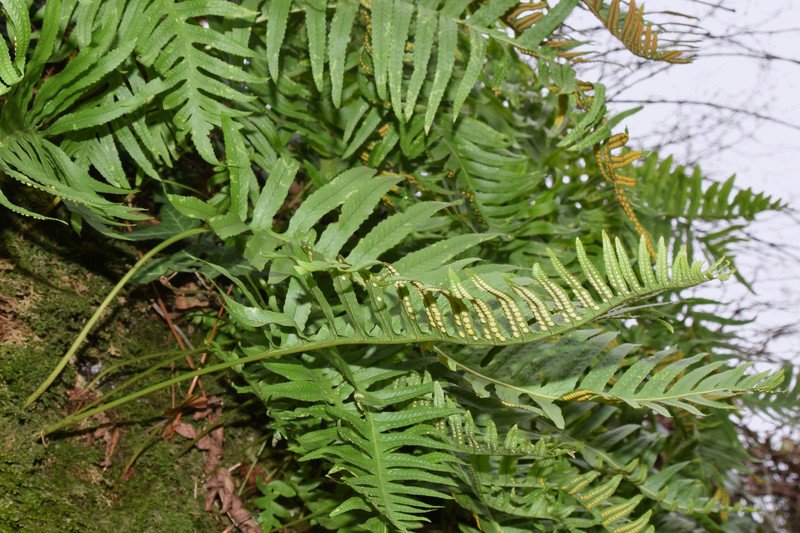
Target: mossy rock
[(51, 281)]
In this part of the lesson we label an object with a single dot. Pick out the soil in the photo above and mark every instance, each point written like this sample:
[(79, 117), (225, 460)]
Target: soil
[(51, 280)]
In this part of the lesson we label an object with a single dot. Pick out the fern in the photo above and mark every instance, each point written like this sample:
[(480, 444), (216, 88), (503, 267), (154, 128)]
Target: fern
[(391, 27), (361, 431), (388, 308), (18, 28), (677, 385), (632, 30), (399, 295), (412, 202), (194, 79), (781, 403)]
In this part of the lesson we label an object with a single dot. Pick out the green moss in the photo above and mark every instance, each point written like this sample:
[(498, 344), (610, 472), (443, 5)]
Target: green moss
[(50, 283), (63, 488)]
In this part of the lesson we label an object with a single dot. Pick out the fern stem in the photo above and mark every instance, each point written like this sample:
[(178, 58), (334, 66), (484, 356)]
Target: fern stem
[(105, 303), (303, 518), (81, 415), (490, 379)]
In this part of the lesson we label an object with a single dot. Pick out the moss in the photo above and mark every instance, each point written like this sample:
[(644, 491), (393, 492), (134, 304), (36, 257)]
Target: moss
[(63, 488), (50, 283)]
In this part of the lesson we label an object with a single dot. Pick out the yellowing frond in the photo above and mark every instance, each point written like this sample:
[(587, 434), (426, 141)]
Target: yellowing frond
[(633, 32)]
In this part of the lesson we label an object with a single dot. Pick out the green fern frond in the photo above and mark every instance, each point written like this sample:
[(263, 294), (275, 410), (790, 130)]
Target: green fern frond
[(686, 194), (38, 163), (514, 313), (423, 298), (39, 108), (708, 216), (397, 301), (496, 181), (613, 448), (398, 306), (400, 33), (781, 404), (362, 425), (199, 84), (358, 423), (18, 31), (85, 70), (519, 376), (548, 491)]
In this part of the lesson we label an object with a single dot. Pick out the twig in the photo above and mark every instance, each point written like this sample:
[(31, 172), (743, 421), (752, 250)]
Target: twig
[(159, 309), (714, 105)]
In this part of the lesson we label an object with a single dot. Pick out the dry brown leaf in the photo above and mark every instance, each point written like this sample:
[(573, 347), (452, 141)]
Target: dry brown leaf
[(220, 483)]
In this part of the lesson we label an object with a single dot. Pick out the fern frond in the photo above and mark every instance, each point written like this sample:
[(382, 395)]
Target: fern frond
[(38, 163), (400, 32), (507, 325), (85, 70), (688, 195), (548, 491), (780, 404), (364, 420), (198, 82), (358, 424), (18, 32), (708, 215), (496, 180), (63, 103), (421, 299), (632, 30), (592, 373)]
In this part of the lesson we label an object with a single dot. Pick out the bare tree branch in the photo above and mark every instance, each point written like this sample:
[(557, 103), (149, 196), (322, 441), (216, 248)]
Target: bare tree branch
[(715, 105)]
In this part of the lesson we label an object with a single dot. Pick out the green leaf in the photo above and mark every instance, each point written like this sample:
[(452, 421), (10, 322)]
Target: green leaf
[(367, 128), (587, 120), (391, 231), (192, 207), (278, 17), (477, 54), (381, 30), (255, 317), (425, 31), (184, 54), (439, 254), (18, 25), (274, 193), (227, 225), (339, 35), (327, 198), (5, 202), (41, 53), (239, 168), (80, 75), (172, 223), (445, 58), (401, 21), (355, 211), (89, 116), (315, 27)]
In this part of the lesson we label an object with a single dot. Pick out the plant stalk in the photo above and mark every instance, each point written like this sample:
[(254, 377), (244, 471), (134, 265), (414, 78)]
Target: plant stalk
[(105, 303)]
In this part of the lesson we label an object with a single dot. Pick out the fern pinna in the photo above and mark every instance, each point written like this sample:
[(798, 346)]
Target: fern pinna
[(412, 203)]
